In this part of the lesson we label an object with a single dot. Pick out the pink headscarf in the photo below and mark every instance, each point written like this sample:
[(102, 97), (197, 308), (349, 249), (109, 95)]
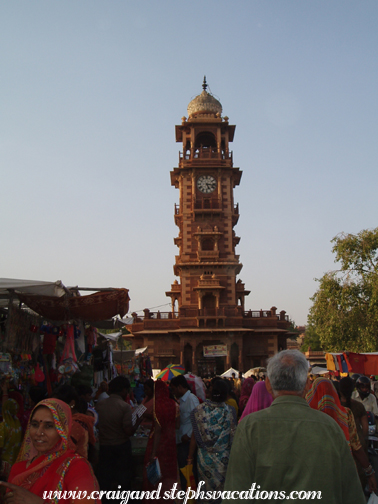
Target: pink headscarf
[(258, 400), (245, 393)]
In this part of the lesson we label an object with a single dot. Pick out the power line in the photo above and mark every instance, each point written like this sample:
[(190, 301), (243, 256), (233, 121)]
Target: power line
[(152, 308)]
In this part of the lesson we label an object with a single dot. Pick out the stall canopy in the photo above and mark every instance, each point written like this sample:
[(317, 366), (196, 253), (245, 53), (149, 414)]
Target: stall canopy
[(11, 287), (55, 302)]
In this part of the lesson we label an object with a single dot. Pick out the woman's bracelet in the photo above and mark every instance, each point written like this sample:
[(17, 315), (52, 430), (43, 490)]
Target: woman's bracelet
[(369, 470)]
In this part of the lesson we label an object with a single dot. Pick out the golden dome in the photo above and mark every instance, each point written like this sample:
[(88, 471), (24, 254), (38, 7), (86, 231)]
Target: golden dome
[(204, 103)]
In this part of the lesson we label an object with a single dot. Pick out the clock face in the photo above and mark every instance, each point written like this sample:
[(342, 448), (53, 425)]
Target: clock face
[(206, 184)]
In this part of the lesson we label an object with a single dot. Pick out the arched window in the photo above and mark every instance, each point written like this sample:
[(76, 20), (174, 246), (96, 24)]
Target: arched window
[(206, 139), (208, 244)]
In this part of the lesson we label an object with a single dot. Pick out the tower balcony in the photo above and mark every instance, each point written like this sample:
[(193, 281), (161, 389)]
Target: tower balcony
[(193, 157), (207, 204), (208, 255)]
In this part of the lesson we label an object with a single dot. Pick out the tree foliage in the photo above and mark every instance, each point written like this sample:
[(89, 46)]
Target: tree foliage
[(345, 307), (311, 339)]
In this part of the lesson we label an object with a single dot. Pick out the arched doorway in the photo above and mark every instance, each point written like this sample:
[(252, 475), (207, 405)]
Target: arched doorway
[(209, 301), (188, 357), (234, 356), (207, 367)]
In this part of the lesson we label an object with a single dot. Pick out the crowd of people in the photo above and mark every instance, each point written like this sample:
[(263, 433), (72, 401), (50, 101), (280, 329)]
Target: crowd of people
[(284, 431)]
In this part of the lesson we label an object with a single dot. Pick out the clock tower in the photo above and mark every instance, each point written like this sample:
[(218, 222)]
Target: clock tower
[(206, 216), (208, 328)]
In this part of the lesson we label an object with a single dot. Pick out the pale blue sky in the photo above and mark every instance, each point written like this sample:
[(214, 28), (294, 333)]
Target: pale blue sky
[(90, 95)]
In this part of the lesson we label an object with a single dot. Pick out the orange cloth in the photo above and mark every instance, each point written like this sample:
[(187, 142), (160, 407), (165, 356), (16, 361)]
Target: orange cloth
[(357, 361), (371, 364)]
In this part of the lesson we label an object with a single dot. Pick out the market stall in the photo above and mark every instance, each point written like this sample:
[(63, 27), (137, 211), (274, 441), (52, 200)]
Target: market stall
[(352, 362), (48, 332)]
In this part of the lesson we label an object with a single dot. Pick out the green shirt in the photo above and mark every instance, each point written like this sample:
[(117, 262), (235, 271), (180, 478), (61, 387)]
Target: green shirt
[(292, 447)]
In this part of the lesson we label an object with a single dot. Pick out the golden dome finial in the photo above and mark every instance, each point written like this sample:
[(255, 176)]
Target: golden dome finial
[(204, 84)]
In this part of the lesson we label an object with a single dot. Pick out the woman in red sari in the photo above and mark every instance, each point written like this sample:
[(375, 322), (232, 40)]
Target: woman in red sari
[(162, 441), (47, 460)]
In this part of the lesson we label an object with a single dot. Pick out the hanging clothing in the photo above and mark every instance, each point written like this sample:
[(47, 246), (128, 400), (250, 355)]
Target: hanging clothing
[(357, 361), (214, 426), (59, 468), (10, 435), (330, 362)]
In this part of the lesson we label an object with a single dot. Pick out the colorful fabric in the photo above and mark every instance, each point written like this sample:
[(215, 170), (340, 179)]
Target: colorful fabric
[(246, 390), (82, 433), (330, 362), (231, 402), (371, 364), (164, 412), (357, 361), (344, 364), (58, 469), (214, 425), (337, 368), (10, 435), (340, 364), (347, 362), (69, 347), (354, 440), (61, 413), (65, 473), (258, 400), (323, 397), (170, 372)]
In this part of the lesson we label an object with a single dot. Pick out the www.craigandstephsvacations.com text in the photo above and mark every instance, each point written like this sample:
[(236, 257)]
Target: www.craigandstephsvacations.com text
[(185, 495)]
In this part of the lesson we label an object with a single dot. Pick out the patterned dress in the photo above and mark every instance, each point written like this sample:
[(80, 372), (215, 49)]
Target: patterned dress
[(214, 425)]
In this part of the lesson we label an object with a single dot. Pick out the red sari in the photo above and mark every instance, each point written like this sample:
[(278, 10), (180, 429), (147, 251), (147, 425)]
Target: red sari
[(58, 470), (165, 416)]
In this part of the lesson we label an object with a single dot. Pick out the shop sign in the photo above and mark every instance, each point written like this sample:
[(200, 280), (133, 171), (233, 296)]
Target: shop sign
[(215, 351)]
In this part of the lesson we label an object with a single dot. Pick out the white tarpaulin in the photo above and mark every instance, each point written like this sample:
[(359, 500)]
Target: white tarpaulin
[(228, 373), (112, 336), (254, 371), (319, 370), (9, 286), (139, 351)]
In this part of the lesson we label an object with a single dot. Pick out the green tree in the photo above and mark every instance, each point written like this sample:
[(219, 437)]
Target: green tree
[(345, 307), (311, 339)]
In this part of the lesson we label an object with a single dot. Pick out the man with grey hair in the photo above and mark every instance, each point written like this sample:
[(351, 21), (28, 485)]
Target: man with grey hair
[(290, 451)]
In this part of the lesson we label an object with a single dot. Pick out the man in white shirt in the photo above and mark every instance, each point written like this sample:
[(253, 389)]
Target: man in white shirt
[(363, 394), (188, 402)]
